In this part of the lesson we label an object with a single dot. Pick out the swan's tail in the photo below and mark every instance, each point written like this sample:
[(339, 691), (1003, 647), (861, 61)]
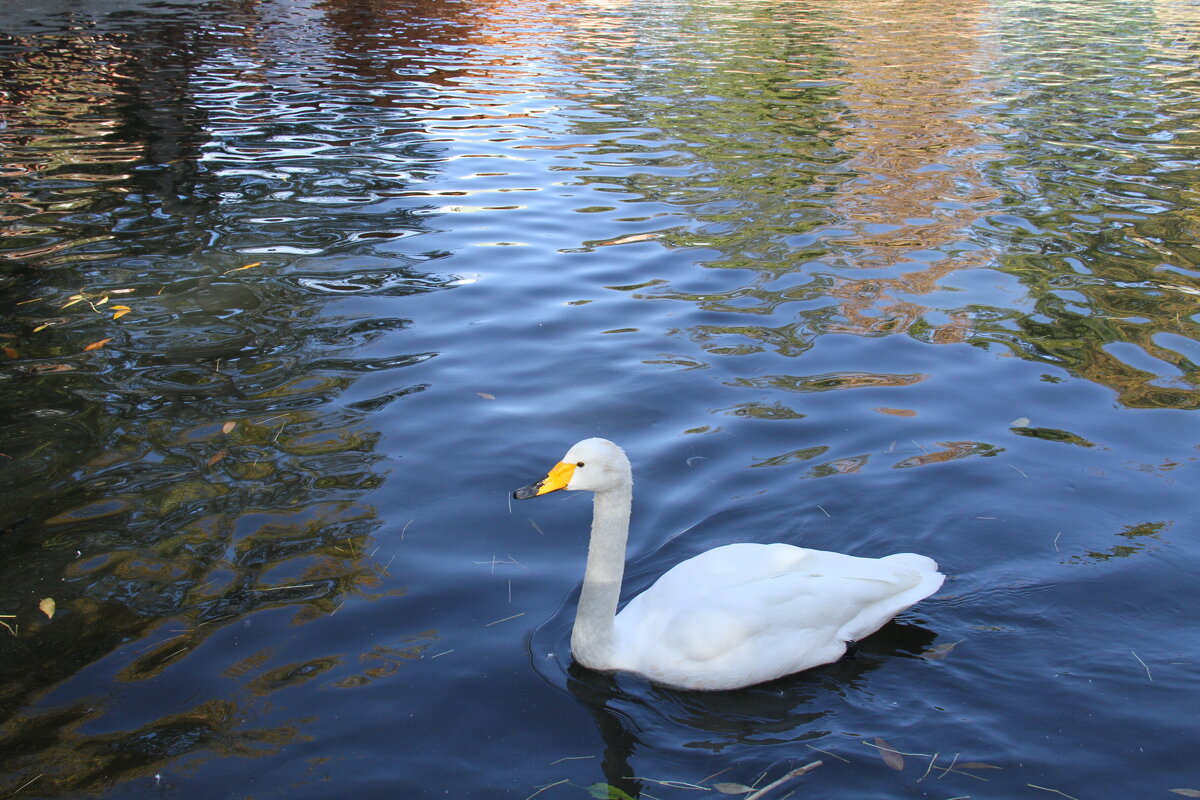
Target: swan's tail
[(919, 574)]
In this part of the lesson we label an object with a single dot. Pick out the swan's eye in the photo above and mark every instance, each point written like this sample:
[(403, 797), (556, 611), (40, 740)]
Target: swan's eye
[(579, 463)]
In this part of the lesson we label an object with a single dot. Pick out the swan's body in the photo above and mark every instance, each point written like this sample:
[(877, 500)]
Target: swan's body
[(733, 616)]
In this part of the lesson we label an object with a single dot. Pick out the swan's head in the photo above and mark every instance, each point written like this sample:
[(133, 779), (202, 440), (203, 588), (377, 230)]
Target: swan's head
[(594, 465)]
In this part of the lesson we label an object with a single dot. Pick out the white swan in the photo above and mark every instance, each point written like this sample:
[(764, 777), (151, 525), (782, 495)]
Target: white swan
[(733, 616)]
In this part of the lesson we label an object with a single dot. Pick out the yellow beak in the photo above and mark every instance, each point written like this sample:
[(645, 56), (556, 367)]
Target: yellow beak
[(558, 478)]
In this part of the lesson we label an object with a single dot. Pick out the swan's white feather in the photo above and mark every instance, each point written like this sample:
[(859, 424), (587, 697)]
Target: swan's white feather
[(746, 613)]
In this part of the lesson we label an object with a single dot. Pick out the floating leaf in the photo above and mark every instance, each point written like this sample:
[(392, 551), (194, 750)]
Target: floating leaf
[(11, 352), (102, 300), (1187, 792), (120, 311), (940, 651), (41, 327), (606, 791), (228, 427), (97, 345), (890, 755), (1022, 422), (732, 788), (72, 300), (47, 607), (217, 456), (486, 396), (975, 765), (239, 269), (40, 369)]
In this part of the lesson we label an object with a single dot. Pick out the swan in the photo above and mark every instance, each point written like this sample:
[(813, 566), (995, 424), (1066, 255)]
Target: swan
[(733, 616)]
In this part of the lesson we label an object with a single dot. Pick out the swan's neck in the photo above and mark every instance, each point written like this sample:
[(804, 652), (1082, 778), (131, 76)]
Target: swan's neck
[(593, 638)]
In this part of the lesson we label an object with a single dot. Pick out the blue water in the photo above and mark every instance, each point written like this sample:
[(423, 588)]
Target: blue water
[(295, 294)]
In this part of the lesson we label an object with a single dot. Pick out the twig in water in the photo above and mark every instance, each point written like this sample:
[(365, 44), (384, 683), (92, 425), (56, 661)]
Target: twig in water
[(1143, 663), (571, 758), (402, 530), (823, 511), (672, 784), (796, 773), (444, 652), (715, 774), (932, 761), (26, 783), (950, 768), (826, 752), (1047, 789), (1056, 541), (1018, 469), (535, 527), (506, 619), (293, 586), (548, 786), (898, 752)]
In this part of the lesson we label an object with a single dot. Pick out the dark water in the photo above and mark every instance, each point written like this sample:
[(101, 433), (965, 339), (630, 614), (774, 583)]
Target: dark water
[(869, 277)]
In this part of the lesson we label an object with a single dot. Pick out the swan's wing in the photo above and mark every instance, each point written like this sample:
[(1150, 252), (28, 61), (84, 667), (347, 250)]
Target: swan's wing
[(743, 614)]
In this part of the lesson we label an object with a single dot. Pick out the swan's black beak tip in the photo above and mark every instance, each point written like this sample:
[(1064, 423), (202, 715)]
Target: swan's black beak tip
[(525, 492)]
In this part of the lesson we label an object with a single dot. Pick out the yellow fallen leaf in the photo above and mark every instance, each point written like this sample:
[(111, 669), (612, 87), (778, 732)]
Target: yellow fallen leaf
[(228, 427), (97, 345), (47, 607), (73, 301), (32, 300), (102, 300), (41, 327), (120, 311), (239, 269)]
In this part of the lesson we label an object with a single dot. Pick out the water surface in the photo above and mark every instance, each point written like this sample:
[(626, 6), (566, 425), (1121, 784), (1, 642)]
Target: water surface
[(295, 293)]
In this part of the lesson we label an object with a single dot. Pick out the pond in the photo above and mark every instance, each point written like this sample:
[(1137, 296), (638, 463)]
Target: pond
[(295, 293)]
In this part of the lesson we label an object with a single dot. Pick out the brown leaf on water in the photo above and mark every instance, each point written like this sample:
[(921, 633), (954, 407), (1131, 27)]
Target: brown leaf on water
[(239, 269), (120, 311), (1187, 792), (11, 352), (217, 456), (896, 412), (47, 607), (975, 765), (97, 345), (940, 651), (41, 369), (890, 755), (228, 427), (486, 396)]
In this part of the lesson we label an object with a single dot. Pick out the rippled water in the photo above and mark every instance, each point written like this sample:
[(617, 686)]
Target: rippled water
[(295, 293)]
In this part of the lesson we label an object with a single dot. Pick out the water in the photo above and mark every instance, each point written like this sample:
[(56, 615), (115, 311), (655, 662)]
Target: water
[(901, 276)]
